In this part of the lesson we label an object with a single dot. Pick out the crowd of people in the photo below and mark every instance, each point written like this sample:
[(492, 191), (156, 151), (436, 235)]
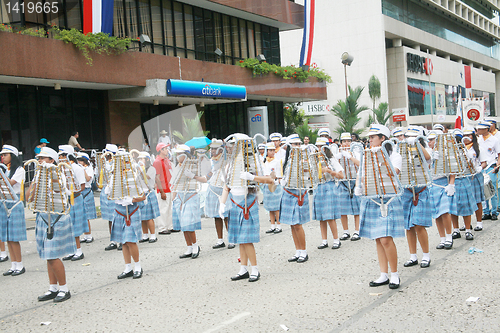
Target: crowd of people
[(166, 195)]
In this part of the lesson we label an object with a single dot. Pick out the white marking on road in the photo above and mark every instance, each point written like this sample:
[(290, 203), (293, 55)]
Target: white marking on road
[(228, 322)]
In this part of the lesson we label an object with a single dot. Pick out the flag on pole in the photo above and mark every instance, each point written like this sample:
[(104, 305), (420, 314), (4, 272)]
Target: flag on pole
[(98, 16), (307, 37)]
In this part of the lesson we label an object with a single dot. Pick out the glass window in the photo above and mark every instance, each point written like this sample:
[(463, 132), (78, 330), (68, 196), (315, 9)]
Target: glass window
[(156, 17), (73, 14), (6, 16), (55, 18), (188, 17), (251, 40), (258, 39), (131, 15), (227, 39), (418, 97), (209, 36), (168, 23), (199, 33), (31, 16), (179, 29), (119, 26), (451, 96), (218, 35), (243, 39), (236, 38)]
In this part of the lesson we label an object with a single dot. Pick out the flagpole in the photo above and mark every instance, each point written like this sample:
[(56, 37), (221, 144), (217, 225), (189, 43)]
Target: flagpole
[(430, 96)]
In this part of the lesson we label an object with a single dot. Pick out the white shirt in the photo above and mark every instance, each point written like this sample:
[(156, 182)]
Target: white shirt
[(18, 177), (164, 139), (490, 149), (79, 175), (275, 165), (90, 172)]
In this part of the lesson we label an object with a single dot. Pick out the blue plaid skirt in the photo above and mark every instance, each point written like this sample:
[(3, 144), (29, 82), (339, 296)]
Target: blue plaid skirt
[(346, 204), (78, 218), (240, 230), (440, 200), (372, 225), (325, 203), (120, 232), (63, 241), (12, 228), (421, 214), (88, 199), (186, 215), (478, 186), (290, 211), (107, 207), (272, 200), (212, 203), (463, 203), (149, 207)]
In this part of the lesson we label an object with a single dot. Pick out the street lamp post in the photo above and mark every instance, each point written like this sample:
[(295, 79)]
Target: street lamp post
[(346, 61)]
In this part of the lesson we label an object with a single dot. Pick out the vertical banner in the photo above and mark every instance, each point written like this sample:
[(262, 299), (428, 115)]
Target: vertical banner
[(473, 111), (308, 35), (440, 99), (258, 121)]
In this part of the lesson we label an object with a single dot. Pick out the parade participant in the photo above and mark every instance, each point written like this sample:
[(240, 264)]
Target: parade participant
[(186, 214), (276, 139), (164, 196), (416, 179), (398, 133), (490, 146), (325, 133), (381, 219), (493, 127), (77, 212), (88, 195), (272, 200), (325, 204), (348, 203), (215, 188), (52, 215), (149, 207), (262, 149), (3, 253), (124, 190), (107, 206), (439, 127), (294, 208), (12, 222)]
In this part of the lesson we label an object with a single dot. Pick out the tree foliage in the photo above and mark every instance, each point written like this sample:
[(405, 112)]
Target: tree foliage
[(294, 117), (380, 115), (304, 130), (191, 128), (374, 89), (348, 112)]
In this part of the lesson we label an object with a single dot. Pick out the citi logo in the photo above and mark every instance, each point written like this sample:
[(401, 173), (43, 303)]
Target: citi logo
[(209, 91), (257, 118)]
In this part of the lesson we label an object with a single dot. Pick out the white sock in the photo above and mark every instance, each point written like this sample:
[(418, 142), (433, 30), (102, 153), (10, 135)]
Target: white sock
[(413, 256), (3, 254), (324, 242), (278, 227), (394, 277), (78, 252), (137, 267), (128, 268), (19, 265), (64, 288), (336, 241), (449, 238), (88, 236), (152, 236), (443, 239), (53, 287), (189, 249), (346, 231), (243, 270), (426, 257), (303, 253), (479, 224), (220, 241), (255, 271), (195, 247), (382, 278), (145, 236), (297, 253), (272, 226), (13, 266), (456, 230), (113, 242)]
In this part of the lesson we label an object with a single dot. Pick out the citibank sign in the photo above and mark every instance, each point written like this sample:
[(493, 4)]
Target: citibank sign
[(205, 89), (419, 64)]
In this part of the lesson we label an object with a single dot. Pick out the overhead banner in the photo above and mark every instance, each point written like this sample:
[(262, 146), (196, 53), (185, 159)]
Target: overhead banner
[(473, 111)]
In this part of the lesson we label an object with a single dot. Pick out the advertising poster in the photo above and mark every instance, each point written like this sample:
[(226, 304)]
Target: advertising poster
[(440, 99)]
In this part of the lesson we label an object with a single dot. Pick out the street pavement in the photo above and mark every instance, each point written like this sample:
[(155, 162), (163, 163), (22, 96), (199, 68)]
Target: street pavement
[(328, 293)]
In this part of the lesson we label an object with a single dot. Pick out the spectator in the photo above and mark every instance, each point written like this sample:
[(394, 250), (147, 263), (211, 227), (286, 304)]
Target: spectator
[(163, 175), (73, 142), (164, 138), (145, 146), (43, 143), (306, 140)]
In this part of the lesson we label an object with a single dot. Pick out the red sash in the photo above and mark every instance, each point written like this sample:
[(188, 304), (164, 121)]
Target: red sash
[(300, 199), (415, 201), (246, 212), (127, 221)]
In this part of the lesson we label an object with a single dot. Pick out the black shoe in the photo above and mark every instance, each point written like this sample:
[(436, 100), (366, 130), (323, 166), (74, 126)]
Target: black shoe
[(377, 284), (165, 232), (303, 259), (448, 245), (9, 272), (410, 263), (440, 246), (137, 274), (153, 240), (66, 296), (124, 275), (110, 247), (68, 257), (144, 240), (83, 240), (323, 246), (345, 236), (336, 245), (462, 228), (231, 246), (196, 254), (486, 217), (393, 285), (292, 259), (75, 257), (119, 248), (186, 255), (48, 296), (276, 231), (219, 246), (469, 236), (456, 235), (254, 278), (87, 240), (19, 272), (2, 259), (425, 263), (478, 228), (270, 231), (173, 230), (355, 237), (494, 217), (240, 277)]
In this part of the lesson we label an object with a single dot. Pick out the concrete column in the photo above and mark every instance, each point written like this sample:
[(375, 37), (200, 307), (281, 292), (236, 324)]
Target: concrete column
[(417, 47), (460, 61), (447, 57), (497, 93), (434, 53), (397, 42)]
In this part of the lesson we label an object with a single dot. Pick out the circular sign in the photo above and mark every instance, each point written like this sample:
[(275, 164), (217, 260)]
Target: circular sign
[(429, 67), (473, 114)]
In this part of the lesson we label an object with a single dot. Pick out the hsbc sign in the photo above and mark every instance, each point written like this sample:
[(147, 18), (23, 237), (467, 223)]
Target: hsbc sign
[(418, 64)]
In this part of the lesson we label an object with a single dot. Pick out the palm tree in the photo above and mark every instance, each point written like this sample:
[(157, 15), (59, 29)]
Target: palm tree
[(294, 117), (374, 89), (304, 130), (348, 112), (381, 115), (191, 128)]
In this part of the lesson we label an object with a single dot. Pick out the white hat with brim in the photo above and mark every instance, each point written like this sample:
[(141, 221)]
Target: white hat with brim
[(438, 127), (66, 149), (83, 155), (343, 136), (323, 131), (413, 131), (432, 135), (48, 152), (323, 141), (397, 131), (270, 145), (163, 132), (483, 125), (261, 146), (9, 149), (490, 120), (216, 143), (144, 154), (458, 131), (111, 148), (275, 136), (468, 131), (180, 149), (379, 129)]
